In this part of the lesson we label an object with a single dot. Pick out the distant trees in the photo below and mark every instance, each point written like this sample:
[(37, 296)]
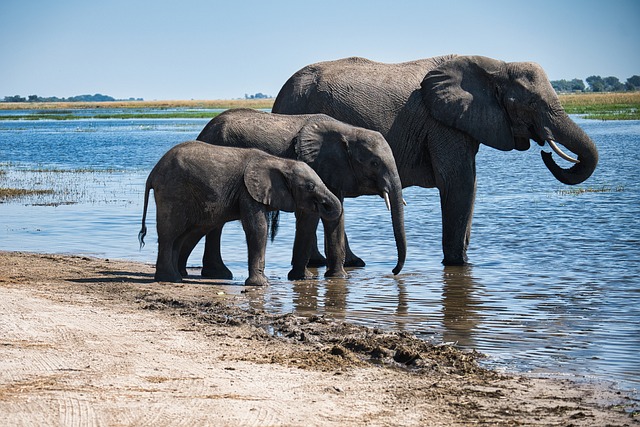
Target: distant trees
[(597, 84), (15, 98), (257, 96), (79, 98), (575, 85)]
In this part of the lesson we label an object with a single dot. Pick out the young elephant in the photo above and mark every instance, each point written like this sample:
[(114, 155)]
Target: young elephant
[(351, 161), (199, 187)]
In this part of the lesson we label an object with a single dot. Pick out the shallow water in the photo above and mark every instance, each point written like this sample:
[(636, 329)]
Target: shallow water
[(554, 286)]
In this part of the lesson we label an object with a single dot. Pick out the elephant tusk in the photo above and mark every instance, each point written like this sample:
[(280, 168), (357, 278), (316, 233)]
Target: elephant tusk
[(404, 202), (386, 200), (560, 153)]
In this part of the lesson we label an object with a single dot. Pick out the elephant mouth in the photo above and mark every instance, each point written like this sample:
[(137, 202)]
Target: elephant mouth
[(558, 151), (552, 144), (561, 153)]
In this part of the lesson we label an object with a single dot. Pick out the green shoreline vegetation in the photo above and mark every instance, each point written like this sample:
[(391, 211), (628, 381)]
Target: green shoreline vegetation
[(596, 106), (603, 106)]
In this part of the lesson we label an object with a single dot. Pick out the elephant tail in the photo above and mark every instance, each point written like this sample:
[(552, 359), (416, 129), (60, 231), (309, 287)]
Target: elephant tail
[(143, 230), (273, 222)]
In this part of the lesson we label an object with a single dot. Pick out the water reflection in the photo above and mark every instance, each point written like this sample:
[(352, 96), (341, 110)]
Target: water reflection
[(460, 305)]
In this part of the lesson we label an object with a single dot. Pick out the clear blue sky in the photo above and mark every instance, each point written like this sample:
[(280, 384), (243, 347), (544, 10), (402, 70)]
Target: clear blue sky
[(210, 49)]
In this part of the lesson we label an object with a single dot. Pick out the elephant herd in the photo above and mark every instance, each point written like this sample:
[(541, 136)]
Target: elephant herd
[(348, 128)]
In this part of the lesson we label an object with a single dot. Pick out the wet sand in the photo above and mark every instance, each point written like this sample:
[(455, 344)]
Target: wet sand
[(92, 341)]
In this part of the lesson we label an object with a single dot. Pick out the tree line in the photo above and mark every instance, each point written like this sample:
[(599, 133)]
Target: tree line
[(80, 98), (597, 84)]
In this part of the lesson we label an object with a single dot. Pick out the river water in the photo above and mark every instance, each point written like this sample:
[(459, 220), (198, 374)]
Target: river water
[(554, 285)]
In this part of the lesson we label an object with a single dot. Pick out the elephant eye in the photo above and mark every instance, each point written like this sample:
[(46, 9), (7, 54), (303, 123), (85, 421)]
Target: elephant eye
[(375, 163), (310, 186)]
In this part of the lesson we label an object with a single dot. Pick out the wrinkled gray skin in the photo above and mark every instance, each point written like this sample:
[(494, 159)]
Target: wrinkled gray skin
[(199, 187), (435, 113), (351, 161)]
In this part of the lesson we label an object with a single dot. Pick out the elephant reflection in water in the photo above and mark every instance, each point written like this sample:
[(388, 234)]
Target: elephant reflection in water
[(460, 308), (308, 299)]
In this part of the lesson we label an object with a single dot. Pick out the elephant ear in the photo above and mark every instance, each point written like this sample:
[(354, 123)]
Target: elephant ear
[(463, 93), (267, 184), (322, 144)]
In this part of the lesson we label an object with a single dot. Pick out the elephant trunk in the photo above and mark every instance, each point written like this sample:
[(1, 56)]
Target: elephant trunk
[(328, 206), (397, 219), (571, 136)]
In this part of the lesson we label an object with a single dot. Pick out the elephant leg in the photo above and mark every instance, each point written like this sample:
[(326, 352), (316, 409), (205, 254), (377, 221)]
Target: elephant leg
[(457, 200), (335, 242), (306, 225), (351, 259), (189, 242), (167, 262), (212, 264), (254, 223), (316, 259)]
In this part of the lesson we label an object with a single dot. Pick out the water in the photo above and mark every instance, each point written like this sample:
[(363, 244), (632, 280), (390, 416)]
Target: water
[(554, 287)]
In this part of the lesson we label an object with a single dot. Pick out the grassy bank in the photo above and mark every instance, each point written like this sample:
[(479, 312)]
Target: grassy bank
[(195, 104), (598, 106), (178, 109), (603, 106)]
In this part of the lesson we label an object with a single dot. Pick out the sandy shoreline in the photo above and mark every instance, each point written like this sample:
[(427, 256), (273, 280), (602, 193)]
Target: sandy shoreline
[(92, 341)]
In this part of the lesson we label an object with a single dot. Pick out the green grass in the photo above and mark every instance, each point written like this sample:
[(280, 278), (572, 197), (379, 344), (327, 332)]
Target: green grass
[(52, 115), (603, 106), (597, 106)]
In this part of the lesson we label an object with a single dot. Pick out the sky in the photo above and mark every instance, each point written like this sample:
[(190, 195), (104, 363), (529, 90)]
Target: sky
[(212, 49)]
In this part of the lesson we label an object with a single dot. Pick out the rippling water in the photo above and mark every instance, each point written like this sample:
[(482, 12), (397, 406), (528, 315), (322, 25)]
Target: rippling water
[(554, 286)]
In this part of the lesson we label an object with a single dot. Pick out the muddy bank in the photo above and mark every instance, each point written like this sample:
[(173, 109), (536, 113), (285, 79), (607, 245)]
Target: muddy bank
[(94, 341)]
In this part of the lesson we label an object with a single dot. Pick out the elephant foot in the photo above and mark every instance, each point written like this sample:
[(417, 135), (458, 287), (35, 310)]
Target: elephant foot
[(167, 277), (217, 273), (183, 272), (299, 275), (336, 273), (354, 261), (258, 280), (455, 262)]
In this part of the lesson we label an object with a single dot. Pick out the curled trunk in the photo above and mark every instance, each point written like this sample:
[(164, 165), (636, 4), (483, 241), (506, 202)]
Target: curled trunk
[(572, 137)]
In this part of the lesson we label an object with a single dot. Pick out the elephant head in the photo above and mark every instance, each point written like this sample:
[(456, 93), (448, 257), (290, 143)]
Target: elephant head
[(288, 185), (355, 161), (504, 105)]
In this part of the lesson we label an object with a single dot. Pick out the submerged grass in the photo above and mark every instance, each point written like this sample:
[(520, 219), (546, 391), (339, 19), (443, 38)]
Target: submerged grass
[(580, 191), (7, 193), (41, 186)]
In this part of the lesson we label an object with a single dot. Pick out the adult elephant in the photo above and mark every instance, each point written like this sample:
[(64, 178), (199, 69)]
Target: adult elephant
[(351, 161), (436, 112)]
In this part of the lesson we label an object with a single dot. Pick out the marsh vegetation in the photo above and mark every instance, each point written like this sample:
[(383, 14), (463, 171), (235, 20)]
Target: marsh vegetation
[(603, 106), (599, 106)]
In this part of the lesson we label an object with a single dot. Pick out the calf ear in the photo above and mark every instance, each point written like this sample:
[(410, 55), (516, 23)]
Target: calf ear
[(267, 184), (322, 145)]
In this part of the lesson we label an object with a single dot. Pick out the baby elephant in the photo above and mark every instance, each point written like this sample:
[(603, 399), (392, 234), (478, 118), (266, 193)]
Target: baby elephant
[(199, 187)]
